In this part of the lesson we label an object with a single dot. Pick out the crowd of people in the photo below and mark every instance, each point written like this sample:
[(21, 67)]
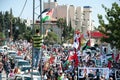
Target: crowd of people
[(61, 63)]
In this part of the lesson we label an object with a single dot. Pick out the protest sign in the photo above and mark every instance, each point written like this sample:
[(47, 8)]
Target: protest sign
[(93, 72), (117, 74)]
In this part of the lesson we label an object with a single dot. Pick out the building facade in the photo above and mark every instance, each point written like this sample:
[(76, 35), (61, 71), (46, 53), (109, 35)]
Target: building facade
[(79, 17)]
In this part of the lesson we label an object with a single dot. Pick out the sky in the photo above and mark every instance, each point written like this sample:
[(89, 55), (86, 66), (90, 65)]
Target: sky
[(17, 6)]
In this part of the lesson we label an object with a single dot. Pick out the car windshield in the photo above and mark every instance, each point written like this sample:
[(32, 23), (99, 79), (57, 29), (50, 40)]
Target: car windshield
[(21, 78), (36, 78), (12, 53), (35, 73), (18, 58), (1, 51), (23, 63), (27, 78)]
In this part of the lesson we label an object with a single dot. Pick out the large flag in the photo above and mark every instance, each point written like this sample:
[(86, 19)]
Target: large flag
[(70, 56), (45, 10), (51, 60), (73, 56), (77, 40), (46, 14), (76, 61)]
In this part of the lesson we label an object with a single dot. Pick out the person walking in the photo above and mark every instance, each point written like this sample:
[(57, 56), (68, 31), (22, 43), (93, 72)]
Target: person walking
[(37, 43), (11, 74), (1, 68), (6, 66)]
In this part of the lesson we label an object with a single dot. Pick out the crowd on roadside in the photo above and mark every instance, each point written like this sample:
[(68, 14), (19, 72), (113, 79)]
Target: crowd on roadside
[(61, 63)]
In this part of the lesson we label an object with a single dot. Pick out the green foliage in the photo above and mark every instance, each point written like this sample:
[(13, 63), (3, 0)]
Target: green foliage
[(28, 35), (2, 38), (1, 21), (112, 29), (61, 23), (51, 38), (67, 31), (19, 29)]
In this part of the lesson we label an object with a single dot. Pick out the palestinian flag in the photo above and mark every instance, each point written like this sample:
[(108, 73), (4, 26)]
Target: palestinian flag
[(110, 57), (66, 63), (87, 45), (46, 14)]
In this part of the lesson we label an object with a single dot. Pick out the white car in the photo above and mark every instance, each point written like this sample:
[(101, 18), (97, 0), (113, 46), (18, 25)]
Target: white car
[(2, 51), (23, 65), (16, 58), (6, 47), (35, 73), (11, 54), (26, 77)]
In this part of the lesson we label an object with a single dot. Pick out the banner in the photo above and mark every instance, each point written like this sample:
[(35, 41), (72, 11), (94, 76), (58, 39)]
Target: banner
[(93, 72), (117, 74), (98, 63)]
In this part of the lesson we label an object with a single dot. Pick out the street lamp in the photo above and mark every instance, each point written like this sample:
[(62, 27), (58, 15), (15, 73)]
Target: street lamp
[(8, 34)]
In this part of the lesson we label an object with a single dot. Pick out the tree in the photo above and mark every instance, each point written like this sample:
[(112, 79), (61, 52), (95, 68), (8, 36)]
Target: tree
[(70, 31), (1, 21), (112, 29), (51, 38), (2, 38), (20, 24), (61, 25), (17, 25), (66, 31), (28, 34)]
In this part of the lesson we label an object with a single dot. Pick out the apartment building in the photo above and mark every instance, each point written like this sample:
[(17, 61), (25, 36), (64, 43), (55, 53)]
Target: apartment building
[(80, 17)]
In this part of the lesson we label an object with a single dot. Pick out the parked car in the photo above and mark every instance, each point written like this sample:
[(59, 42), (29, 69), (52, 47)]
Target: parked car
[(23, 65), (6, 47), (11, 54), (16, 58), (26, 77), (2, 51), (35, 73)]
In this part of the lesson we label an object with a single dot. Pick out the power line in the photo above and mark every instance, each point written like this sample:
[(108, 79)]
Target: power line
[(37, 14), (37, 6), (23, 8)]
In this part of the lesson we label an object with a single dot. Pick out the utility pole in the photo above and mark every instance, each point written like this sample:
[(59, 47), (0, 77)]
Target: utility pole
[(11, 29), (41, 17), (11, 24), (4, 28), (49, 3), (33, 34), (41, 25)]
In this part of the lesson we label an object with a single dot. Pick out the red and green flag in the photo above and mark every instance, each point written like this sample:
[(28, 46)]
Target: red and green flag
[(46, 14), (87, 45), (110, 57)]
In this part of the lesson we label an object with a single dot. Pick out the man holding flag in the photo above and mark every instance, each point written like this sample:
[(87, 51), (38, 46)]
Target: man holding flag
[(37, 43)]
